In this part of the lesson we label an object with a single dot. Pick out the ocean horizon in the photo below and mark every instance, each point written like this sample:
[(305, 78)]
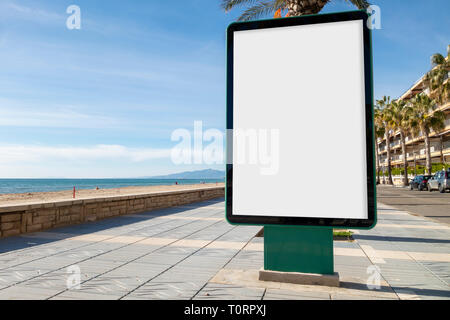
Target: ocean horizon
[(10, 186)]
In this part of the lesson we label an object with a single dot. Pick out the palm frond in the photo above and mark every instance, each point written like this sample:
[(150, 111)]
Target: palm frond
[(384, 102), (360, 4), (261, 9), (437, 121), (437, 59), (227, 5), (281, 4), (423, 116), (398, 112), (258, 8)]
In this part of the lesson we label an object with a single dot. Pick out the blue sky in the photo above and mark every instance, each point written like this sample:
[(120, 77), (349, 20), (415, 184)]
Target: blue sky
[(103, 101)]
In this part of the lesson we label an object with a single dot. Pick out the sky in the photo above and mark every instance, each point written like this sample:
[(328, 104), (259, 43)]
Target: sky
[(103, 101)]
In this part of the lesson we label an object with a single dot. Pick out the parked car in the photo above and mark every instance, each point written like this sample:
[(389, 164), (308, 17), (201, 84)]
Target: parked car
[(440, 181), (419, 182)]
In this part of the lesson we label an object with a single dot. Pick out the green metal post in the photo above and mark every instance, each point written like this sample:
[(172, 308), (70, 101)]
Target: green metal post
[(298, 249)]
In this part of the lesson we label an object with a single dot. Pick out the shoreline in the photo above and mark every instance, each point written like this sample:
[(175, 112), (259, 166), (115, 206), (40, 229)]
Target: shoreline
[(12, 199)]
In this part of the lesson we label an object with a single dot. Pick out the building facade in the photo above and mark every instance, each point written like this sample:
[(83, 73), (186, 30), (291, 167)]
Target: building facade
[(415, 145)]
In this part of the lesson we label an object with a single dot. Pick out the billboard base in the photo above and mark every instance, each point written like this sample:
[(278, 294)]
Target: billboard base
[(298, 249), (329, 280)]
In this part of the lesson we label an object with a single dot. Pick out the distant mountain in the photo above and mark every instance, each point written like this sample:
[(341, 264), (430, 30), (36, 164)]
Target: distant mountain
[(199, 174)]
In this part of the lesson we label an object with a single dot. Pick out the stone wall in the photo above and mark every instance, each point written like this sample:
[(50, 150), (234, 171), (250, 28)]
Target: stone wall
[(20, 219)]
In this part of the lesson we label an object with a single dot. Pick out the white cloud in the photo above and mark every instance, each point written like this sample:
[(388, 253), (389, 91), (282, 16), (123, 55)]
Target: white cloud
[(15, 115), (38, 154), (31, 14)]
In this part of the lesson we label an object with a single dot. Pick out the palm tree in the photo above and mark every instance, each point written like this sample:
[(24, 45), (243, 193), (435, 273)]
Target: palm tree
[(384, 105), (258, 8), (438, 84), (423, 119), (436, 78), (379, 133), (399, 121)]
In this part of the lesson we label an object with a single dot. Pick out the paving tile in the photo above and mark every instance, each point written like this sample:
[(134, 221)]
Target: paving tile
[(20, 292), (343, 296), (111, 284), (157, 290), (140, 270), (20, 274), (229, 292), (173, 254), (55, 280), (159, 258), (279, 294), (227, 253), (81, 295)]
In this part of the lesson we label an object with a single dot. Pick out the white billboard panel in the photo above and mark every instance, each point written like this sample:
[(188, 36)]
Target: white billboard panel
[(299, 119)]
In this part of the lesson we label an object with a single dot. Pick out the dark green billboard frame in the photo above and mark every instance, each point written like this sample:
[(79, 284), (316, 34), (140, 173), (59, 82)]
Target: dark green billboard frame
[(304, 244)]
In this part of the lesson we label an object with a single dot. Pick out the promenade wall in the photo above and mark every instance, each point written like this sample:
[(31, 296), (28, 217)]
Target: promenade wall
[(24, 218)]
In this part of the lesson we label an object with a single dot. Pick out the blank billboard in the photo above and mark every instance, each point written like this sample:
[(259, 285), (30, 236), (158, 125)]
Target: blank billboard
[(299, 107)]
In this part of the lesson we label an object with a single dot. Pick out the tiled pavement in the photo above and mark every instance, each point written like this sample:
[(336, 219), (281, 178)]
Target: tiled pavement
[(191, 252)]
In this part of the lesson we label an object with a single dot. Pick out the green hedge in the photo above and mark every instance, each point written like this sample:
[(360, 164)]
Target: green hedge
[(435, 167)]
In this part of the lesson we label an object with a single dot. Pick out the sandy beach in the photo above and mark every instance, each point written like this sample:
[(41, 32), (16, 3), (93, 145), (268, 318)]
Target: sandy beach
[(40, 197)]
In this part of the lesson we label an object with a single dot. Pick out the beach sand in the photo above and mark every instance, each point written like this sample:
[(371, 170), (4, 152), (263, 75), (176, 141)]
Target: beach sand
[(44, 197)]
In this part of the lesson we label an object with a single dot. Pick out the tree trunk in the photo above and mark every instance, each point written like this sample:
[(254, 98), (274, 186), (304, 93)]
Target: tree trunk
[(405, 161), (428, 151), (302, 7), (415, 162), (388, 150), (377, 156)]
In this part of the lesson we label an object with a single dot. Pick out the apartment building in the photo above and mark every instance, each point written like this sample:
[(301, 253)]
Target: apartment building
[(415, 146)]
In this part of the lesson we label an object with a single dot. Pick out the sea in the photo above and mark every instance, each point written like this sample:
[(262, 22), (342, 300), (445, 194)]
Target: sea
[(46, 185)]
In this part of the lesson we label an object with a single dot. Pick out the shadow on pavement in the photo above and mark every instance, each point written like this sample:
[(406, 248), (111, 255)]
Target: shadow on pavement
[(32, 239), (398, 290), (398, 239)]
